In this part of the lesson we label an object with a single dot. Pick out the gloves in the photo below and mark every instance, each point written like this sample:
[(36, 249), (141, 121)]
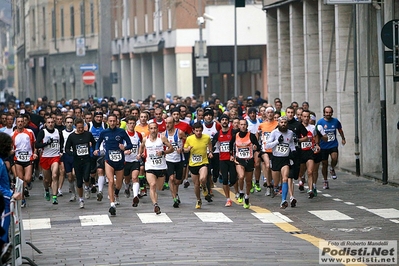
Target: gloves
[(280, 139), (49, 141), (295, 139)]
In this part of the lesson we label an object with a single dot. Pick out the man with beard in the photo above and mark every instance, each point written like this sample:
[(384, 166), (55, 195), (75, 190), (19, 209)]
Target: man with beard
[(328, 126), (227, 167), (300, 135), (281, 141)]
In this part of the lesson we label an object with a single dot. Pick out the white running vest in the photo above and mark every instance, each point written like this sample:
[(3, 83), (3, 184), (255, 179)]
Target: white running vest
[(53, 149), (176, 143), (153, 161), (136, 145), (211, 132)]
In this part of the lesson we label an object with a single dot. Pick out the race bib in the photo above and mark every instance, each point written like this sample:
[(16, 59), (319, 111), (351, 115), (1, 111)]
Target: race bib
[(55, 145), (306, 145), (224, 147), (266, 136), (23, 156), (175, 146), (282, 149), (196, 158), (330, 137), (134, 149), (115, 156), (243, 153), (155, 160), (82, 149)]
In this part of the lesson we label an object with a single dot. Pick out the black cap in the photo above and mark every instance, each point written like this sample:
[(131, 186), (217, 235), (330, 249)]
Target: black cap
[(224, 116), (98, 113), (252, 110)]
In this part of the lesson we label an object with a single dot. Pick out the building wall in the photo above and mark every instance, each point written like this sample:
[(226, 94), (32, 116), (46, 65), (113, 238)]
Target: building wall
[(310, 57)]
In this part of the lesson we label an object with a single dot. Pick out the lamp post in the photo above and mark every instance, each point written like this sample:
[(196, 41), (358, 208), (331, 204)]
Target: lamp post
[(200, 22)]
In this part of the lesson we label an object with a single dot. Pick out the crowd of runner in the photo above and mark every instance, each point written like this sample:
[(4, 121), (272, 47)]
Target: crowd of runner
[(245, 144)]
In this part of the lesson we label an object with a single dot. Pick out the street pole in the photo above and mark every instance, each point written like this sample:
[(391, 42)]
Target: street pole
[(381, 68), (235, 53), (201, 47), (356, 92)]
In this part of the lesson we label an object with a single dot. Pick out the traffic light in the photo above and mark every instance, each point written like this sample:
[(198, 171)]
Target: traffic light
[(240, 3)]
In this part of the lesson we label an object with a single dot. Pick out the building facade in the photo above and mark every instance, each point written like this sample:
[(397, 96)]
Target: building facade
[(153, 48), (53, 40), (310, 58)]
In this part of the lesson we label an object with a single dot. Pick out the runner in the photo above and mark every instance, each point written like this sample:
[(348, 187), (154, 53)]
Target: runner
[(78, 145), (227, 167), (51, 141), (197, 146), (133, 159), (24, 154), (113, 138), (155, 164), (281, 140), (245, 145), (328, 127), (67, 160)]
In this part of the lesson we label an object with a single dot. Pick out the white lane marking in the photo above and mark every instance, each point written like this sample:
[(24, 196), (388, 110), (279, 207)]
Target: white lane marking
[(349, 203), (361, 207), (152, 218), (395, 221), (213, 217), (327, 195), (35, 224), (385, 213), (331, 215), (271, 218), (90, 220), (337, 199)]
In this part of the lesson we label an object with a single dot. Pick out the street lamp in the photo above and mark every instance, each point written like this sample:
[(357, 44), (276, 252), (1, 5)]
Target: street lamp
[(202, 63)]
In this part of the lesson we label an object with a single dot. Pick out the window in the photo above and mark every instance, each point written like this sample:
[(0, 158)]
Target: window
[(72, 21), (62, 23), (53, 24), (44, 23), (91, 17), (82, 19), (33, 25), (18, 21)]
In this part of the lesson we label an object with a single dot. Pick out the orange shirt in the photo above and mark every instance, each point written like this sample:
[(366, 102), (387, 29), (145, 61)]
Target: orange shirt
[(266, 128), (143, 130)]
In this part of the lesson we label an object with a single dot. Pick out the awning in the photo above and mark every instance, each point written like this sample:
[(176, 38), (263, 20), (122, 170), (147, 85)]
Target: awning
[(149, 47)]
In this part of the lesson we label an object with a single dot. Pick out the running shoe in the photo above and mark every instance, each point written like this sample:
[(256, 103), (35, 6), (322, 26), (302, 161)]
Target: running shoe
[(127, 193), (310, 194), (208, 198), (30, 185), (214, 179), (175, 203), (325, 185), (252, 188), (241, 198), (72, 198), (186, 184), (47, 195), (59, 194), (178, 198), (301, 186), (229, 202), (165, 186), (99, 196), (23, 203), (333, 174), (257, 187), (40, 176), (268, 189), (81, 204), (87, 193), (204, 191), (116, 200), (157, 210), (112, 210), (26, 192), (55, 200), (284, 204), (237, 195), (315, 191), (199, 204), (293, 202), (272, 192), (136, 201), (246, 204)]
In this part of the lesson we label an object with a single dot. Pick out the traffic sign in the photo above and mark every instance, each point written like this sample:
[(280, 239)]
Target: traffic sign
[(387, 34), (88, 77), (85, 67), (202, 67)]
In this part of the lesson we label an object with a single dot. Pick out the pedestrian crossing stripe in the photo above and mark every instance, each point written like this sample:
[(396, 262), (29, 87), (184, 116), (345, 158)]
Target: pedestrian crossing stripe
[(152, 218), (331, 215), (91, 220), (213, 217), (271, 218), (385, 213), (395, 221), (35, 224)]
